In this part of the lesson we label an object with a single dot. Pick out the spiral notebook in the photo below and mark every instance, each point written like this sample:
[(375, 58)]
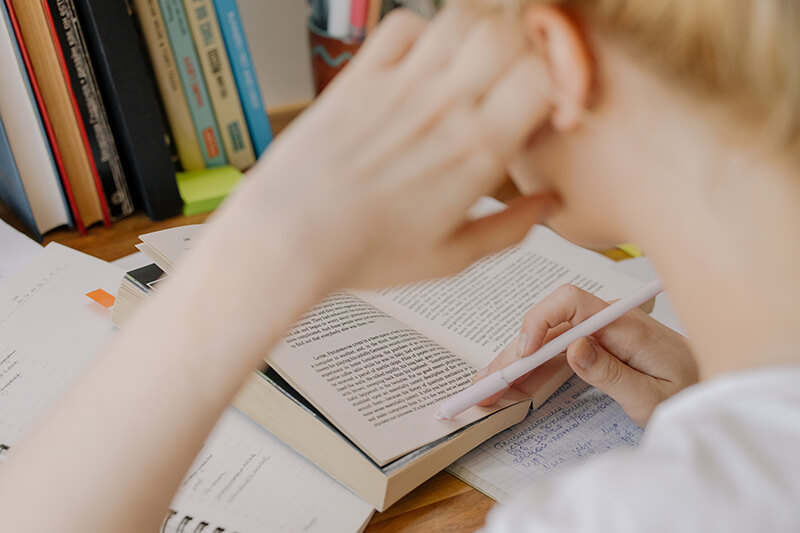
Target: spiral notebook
[(243, 480)]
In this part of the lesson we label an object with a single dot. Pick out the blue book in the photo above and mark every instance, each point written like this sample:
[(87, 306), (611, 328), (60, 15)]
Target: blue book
[(194, 85), (49, 207), (244, 74), (12, 193)]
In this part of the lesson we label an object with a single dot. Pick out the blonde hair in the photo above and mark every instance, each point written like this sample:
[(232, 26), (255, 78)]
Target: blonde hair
[(745, 53)]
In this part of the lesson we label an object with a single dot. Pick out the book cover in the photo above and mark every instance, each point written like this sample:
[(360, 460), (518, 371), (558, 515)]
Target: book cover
[(194, 85), (12, 193), (79, 72), (132, 104), (219, 77), (56, 107), (244, 73), (27, 140), (187, 143)]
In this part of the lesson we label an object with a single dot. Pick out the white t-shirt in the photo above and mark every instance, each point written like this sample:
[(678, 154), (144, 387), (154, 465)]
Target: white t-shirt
[(723, 455)]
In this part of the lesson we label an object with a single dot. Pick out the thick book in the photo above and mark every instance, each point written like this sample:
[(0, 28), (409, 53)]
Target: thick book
[(58, 105), (245, 74), (79, 72), (187, 143), (132, 104), (355, 384), (31, 183), (194, 85), (221, 87)]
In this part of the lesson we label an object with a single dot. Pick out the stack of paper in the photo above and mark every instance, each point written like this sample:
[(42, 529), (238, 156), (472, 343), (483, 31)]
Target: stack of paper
[(243, 480)]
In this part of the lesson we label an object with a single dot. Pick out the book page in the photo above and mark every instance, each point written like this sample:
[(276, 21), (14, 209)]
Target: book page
[(167, 247), (16, 249), (49, 295), (244, 479), (479, 311), (379, 381)]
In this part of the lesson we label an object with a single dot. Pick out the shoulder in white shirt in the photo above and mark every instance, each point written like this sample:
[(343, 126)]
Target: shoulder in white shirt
[(723, 455)]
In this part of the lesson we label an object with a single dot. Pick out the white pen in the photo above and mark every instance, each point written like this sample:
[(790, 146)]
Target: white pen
[(502, 379)]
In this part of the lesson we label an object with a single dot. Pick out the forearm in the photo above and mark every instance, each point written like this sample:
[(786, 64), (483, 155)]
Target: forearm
[(113, 452)]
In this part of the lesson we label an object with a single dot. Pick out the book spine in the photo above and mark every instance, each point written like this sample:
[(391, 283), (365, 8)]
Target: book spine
[(12, 191), (244, 73), (132, 103), (219, 78), (169, 84), (48, 125), (194, 85), (79, 72), (27, 136), (79, 125)]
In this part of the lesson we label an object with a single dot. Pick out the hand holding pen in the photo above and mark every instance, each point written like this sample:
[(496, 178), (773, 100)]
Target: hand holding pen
[(635, 359)]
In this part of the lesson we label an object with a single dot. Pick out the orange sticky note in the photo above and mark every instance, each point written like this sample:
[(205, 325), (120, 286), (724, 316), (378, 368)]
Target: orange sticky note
[(102, 297)]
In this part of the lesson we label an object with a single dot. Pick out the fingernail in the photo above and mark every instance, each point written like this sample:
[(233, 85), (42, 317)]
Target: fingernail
[(587, 354), (480, 375), (522, 345)]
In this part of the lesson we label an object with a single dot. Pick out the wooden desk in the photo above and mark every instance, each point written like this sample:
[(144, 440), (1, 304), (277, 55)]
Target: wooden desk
[(442, 504)]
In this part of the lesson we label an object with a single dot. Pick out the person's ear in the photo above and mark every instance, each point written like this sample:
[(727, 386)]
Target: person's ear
[(563, 46)]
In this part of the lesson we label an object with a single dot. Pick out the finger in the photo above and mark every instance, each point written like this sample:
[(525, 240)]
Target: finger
[(488, 51), (539, 383), (516, 106), (491, 139), (567, 304), (487, 235), (530, 382), (391, 41), (510, 354), (635, 392), (555, 314), (436, 46)]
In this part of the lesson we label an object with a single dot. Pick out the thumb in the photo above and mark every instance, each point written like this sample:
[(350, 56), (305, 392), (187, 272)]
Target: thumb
[(629, 387)]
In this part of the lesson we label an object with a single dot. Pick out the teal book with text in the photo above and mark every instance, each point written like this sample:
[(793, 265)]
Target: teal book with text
[(244, 73), (188, 63)]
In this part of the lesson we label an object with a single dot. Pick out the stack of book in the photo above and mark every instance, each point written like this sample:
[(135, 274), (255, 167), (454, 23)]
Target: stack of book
[(102, 103)]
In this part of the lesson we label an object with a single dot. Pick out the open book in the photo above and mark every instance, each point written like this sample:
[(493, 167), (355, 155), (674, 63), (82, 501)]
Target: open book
[(355, 384)]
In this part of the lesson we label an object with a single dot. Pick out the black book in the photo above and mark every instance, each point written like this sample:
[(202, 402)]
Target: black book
[(132, 104), (88, 100)]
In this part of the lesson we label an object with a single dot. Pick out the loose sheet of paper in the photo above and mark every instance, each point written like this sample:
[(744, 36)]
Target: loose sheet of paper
[(167, 247), (577, 423), (132, 261), (16, 249), (244, 475), (246, 480), (49, 295)]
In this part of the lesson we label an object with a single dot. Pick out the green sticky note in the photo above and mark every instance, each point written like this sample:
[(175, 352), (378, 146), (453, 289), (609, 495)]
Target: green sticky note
[(203, 190), (631, 249)]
